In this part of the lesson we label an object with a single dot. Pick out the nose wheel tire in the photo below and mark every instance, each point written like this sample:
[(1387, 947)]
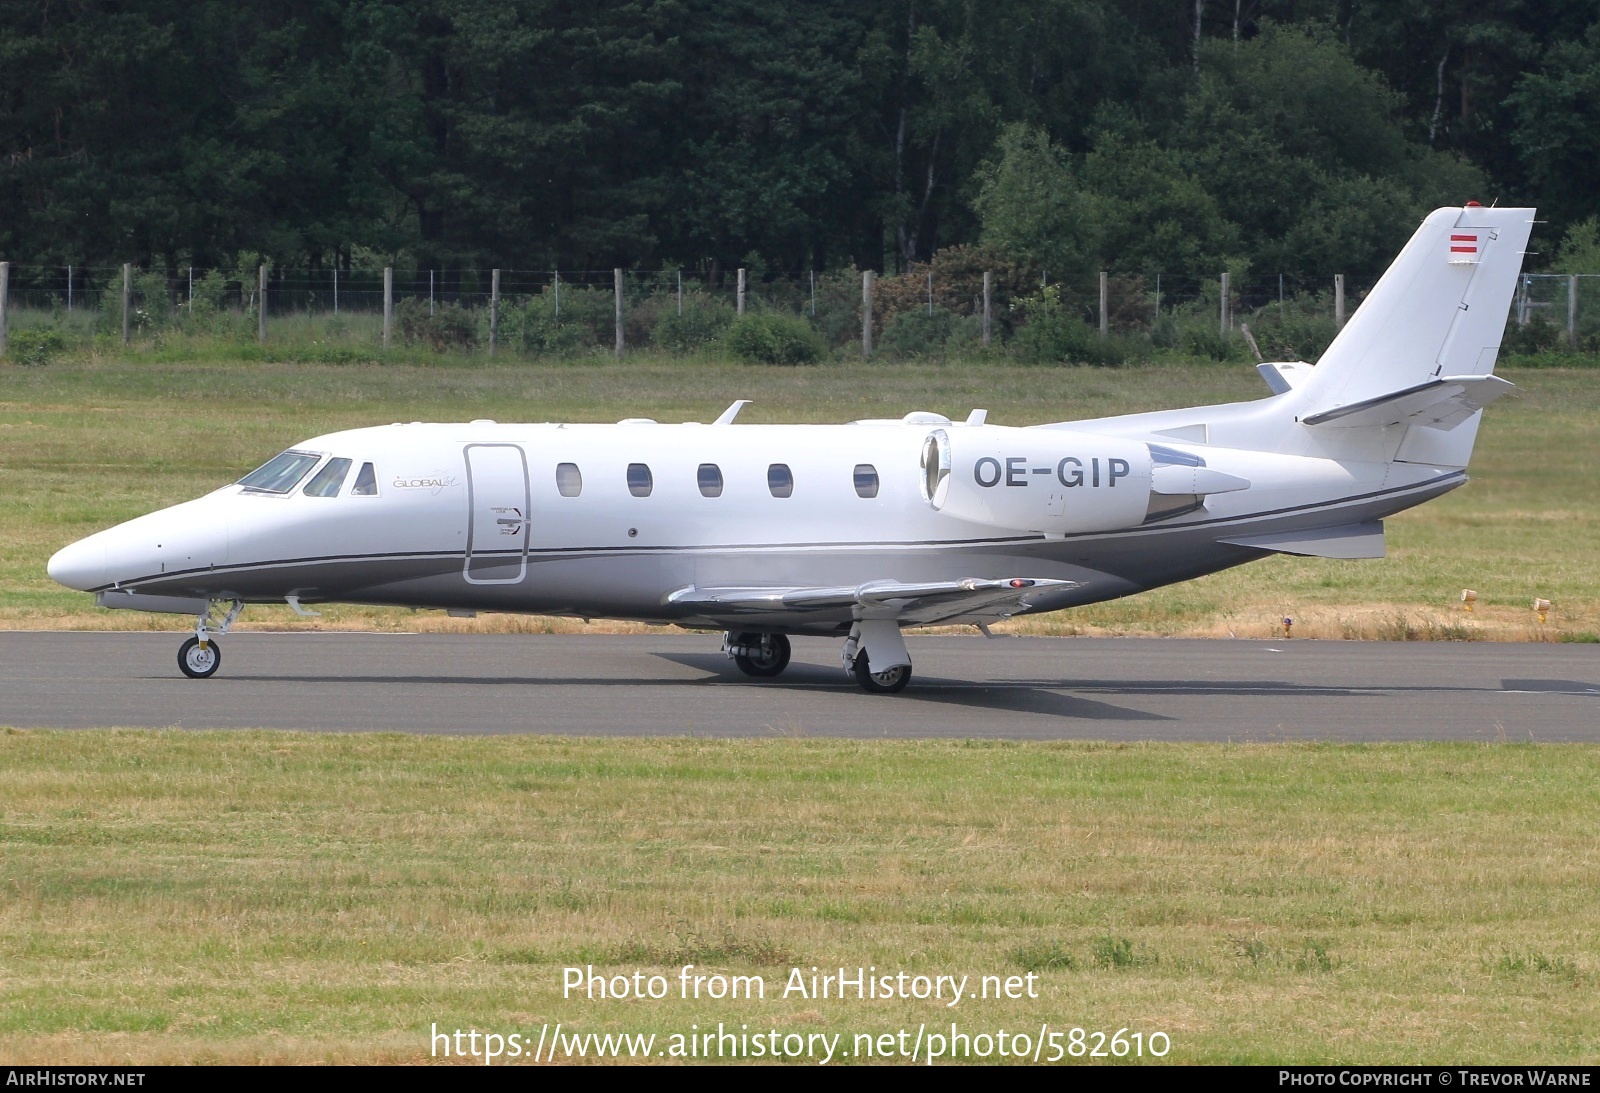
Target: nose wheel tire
[(768, 654), (199, 662), (887, 682)]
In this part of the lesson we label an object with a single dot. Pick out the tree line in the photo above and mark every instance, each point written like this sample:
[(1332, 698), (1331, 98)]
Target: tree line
[(1185, 136)]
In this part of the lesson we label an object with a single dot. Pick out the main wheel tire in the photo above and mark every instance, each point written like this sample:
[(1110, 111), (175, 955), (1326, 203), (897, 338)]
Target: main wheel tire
[(198, 663), (888, 682), (773, 660)]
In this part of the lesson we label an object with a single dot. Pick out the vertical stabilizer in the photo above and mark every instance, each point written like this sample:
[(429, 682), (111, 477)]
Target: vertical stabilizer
[(1440, 310)]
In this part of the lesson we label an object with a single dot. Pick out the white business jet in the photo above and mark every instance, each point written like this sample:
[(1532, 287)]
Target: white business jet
[(858, 530)]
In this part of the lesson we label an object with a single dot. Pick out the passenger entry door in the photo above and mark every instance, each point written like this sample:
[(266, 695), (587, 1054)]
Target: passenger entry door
[(497, 514)]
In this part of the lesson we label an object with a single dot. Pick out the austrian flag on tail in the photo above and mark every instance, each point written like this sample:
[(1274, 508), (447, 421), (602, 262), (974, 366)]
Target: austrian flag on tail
[(1463, 248)]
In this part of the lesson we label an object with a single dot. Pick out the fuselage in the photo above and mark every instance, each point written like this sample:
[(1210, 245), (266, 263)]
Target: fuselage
[(614, 520)]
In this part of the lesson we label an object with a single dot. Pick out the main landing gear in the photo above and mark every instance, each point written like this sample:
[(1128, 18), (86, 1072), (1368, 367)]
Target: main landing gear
[(875, 654), (760, 655), (200, 656), (890, 681)]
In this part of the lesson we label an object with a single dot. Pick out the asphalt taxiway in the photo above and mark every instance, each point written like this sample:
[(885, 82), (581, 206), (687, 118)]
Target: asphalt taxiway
[(672, 683)]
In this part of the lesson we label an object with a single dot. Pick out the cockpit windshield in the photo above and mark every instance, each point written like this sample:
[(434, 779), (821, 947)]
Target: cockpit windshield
[(281, 473), (326, 482)]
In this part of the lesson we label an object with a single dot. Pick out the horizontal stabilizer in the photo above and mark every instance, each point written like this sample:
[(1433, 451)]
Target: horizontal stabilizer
[(1345, 541), (908, 602), (1438, 404)]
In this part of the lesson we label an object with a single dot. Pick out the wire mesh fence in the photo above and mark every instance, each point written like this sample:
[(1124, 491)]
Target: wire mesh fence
[(927, 311)]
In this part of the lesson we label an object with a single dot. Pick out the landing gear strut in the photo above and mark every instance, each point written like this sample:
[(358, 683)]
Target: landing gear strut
[(883, 637), (200, 656), (757, 654)]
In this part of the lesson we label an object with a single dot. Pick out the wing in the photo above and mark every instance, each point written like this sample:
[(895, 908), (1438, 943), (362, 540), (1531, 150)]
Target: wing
[(919, 604)]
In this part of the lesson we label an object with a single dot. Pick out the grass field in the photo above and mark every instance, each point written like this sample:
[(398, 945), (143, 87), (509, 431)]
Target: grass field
[(84, 445), (173, 896)]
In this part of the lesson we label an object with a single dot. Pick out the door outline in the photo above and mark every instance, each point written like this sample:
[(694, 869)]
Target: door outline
[(525, 517)]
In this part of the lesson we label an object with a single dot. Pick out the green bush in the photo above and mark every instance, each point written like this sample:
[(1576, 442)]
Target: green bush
[(451, 326), (1054, 334), (703, 321), (36, 345), (532, 327), (1537, 335), (919, 334), (1296, 330), (1210, 343), (767, 338)]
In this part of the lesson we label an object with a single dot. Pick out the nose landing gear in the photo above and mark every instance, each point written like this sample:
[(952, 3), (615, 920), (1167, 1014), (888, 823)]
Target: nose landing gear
[(199, 661), (200, 656)]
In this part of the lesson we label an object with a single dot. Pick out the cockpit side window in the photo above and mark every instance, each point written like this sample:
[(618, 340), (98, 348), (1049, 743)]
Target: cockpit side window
[(366, 482), (281, 473), (326, 482)]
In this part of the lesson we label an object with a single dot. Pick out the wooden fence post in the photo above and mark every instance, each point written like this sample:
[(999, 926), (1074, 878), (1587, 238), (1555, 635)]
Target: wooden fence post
[(1338, 301), (127, 301), (988, 310), (388, 304), (1105, 327), (1225, 319), (867, 279), (739, 306), (1572, 310), (616, 275), (261, 307), (494, 309)]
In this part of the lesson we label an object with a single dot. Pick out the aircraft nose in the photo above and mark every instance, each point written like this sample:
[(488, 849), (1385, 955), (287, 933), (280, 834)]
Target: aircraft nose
[(81, 566)]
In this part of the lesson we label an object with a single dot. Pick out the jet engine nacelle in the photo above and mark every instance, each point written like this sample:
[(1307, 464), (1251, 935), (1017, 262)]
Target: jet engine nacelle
[(1047, 480)]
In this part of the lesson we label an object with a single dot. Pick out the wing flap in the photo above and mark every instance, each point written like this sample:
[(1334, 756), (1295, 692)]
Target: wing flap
[(919, 602)]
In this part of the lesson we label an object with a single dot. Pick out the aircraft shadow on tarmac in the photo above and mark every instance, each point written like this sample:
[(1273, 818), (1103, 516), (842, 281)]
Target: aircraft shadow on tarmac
[(1037, 697)]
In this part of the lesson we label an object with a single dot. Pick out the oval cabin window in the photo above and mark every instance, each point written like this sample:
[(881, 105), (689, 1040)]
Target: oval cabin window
[(779, 481), (866, 480), (639, 481), (569, 480), (710, 479)]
